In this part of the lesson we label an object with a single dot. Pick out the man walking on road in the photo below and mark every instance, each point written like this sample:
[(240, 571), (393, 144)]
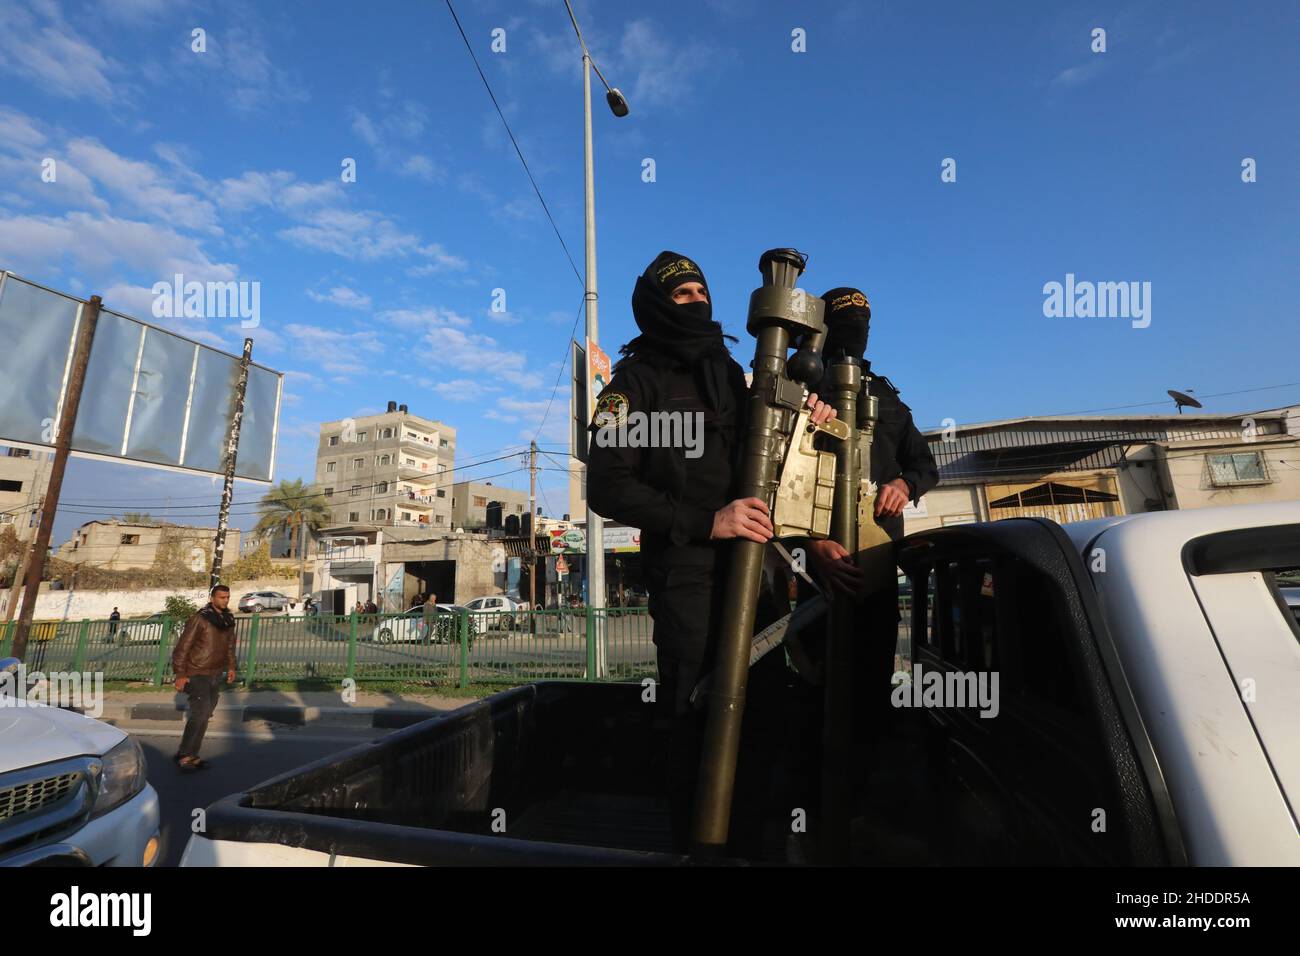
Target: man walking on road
[(204, 653)]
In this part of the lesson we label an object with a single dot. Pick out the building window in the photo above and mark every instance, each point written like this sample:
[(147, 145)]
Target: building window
[(130, 539), (362, 436), (356, 490), (358, 464), (354, 516), (480, 501), (443, 443), (6, 519), (334, 440), (437, 519), (329, 492), (379, 514), (20, 453), (7, 484), (385, 460), (386, 433), (519, 509), (1239, 468), (406, 516), (442, 492), (410, 462), (381, 488), (329, 467)]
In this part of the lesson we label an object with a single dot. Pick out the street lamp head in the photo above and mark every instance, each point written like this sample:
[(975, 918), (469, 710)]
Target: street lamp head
[(616, 102)]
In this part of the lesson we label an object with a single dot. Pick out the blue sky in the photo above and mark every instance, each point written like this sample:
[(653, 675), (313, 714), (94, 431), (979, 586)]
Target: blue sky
[(1115, 166)]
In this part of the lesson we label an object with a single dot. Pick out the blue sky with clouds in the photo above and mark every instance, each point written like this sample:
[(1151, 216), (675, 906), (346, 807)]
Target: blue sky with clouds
[(1115, 166)]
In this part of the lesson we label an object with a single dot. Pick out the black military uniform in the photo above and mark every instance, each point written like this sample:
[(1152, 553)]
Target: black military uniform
[(679, 363), (898, 450)]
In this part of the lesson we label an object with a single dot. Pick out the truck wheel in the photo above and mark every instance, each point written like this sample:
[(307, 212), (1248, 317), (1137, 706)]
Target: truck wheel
[(385, 635)]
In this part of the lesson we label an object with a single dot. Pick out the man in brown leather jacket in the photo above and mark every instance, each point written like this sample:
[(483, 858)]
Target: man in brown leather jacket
[(204, 653)]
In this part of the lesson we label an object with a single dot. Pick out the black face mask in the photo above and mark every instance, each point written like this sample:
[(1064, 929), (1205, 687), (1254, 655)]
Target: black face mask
[(701, 312)]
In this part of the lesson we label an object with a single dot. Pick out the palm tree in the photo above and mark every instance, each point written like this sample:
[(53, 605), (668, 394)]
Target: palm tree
[(292, 506)]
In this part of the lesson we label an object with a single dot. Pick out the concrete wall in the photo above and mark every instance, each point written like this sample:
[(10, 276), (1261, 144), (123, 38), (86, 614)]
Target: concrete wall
[(466, 514), (1188, 475), (97, 605)]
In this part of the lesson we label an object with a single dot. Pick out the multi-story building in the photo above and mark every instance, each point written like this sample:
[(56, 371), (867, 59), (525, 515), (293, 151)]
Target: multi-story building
[(388, 470), (469, 501), (115, 545), (24, 477)]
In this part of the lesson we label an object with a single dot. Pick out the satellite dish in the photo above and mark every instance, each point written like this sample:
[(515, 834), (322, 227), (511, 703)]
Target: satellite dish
[(1181, 399)]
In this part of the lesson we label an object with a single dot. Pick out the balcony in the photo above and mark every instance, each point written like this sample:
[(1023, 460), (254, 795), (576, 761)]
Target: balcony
[(402, 499), (417, 470)]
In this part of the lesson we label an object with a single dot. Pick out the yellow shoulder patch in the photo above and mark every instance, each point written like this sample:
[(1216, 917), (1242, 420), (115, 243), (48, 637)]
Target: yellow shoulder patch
[(611, 410)]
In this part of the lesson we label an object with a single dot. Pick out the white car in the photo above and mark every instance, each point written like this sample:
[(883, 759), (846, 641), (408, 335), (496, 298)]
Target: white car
[(410, 627), (147, 630), (497, 613), (72, 790)]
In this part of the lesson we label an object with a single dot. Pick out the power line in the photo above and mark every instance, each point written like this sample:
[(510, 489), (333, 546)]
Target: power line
[(515, 143)]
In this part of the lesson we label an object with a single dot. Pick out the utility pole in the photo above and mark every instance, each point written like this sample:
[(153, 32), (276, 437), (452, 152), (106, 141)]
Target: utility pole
[(232, 450), (532, 529), (67, 420), (20, 573)]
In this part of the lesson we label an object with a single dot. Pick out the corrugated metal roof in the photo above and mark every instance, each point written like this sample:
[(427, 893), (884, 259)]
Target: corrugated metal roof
[(1037, 446)]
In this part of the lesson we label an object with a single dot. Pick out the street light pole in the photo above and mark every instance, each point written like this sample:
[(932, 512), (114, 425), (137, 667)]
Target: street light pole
[(595, 524)]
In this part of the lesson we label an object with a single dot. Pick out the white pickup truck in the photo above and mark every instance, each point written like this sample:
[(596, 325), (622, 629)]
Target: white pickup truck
[(1149, 714), (72, 790)]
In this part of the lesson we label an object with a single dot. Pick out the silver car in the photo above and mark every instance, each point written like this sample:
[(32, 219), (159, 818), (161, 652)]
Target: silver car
[(258, 601)]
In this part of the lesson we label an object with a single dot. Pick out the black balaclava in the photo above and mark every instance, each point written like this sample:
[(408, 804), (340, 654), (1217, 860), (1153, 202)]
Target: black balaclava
[(848, 315), (683, 331)]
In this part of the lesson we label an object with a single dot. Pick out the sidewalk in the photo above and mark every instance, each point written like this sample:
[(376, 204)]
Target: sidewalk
[(385, 711)]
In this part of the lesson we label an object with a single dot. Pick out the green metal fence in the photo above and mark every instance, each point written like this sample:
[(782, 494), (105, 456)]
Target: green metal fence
[(448, 648), (461, 648)]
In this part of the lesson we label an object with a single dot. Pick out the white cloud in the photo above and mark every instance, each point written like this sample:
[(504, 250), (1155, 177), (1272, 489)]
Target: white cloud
[(142, 187), (341, 354), (43, 49), (343, 297)]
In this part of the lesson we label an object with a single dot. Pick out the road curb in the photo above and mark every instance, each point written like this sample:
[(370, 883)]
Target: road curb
[(379, 718)]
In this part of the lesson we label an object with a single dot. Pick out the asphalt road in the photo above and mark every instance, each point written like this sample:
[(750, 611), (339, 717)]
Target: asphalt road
[(239, 761)]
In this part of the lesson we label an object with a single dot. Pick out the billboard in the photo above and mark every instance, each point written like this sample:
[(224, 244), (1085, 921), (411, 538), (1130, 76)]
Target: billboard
[(151, 397)]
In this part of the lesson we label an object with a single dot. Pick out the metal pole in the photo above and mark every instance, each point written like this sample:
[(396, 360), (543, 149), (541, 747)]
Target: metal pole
[(20, 574), (232, 450), (842, 627), (62, 448), (595, 524), (532, 531)]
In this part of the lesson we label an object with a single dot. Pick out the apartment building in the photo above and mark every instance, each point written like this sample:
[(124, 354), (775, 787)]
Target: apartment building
[(24, 477), (387, 470), (469, 501)]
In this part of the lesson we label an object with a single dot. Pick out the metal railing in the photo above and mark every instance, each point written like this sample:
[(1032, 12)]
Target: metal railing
[(458, 648)]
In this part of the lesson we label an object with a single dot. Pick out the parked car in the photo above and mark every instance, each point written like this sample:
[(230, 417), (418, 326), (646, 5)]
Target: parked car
[(75, 791), (258, 601), (497, 613), (411, 627), (148, 630)]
